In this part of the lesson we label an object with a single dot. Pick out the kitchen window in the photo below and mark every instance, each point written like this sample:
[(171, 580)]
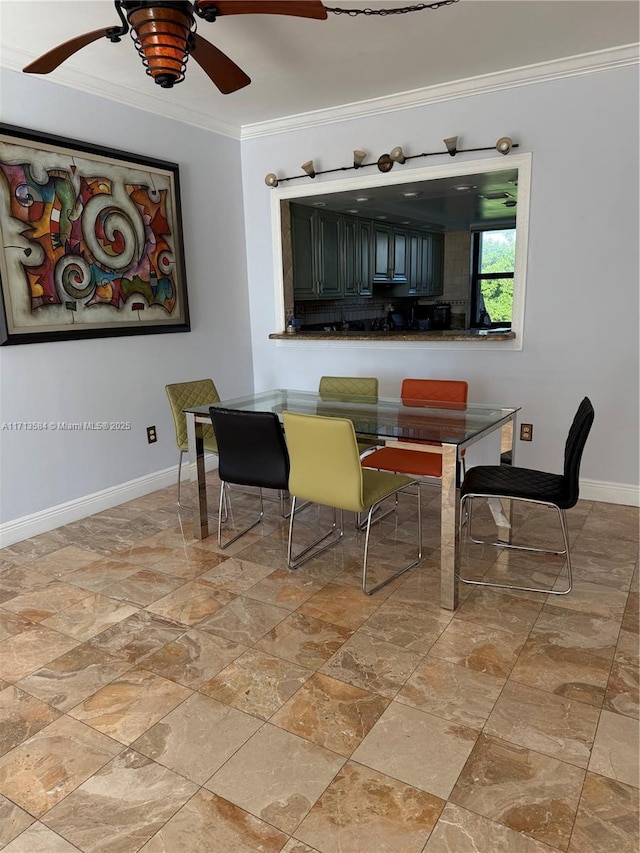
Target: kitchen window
[(492, 276)]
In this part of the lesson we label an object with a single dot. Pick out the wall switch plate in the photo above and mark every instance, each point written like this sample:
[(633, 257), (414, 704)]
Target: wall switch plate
[(526, 432), (151, 434)]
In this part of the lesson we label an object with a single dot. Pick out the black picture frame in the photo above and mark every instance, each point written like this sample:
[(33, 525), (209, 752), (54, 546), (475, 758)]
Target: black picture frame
[(91, 241)]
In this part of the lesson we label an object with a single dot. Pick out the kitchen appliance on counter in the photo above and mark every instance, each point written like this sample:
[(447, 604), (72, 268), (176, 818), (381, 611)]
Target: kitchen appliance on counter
[(434, 316)]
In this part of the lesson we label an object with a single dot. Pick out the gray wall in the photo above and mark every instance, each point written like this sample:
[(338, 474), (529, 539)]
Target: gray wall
[(124, 378), (581, 314)]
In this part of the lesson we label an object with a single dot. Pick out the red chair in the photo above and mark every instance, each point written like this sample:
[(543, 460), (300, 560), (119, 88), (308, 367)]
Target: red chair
[(447, 393)]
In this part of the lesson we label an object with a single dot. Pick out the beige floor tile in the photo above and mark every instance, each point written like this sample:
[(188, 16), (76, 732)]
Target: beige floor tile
[(340, 605), (23, 653), (188, 562), (500, 609), (454, 692), (130, 704), (330, 713), (616, 750), (545, 723), (304, 640), (197, 737), (13, 821), (569, 654), (522, 789), (193, 658), (462, 831), (363, 811), (21, 716), (622, 695), (42, 603), (121, 806), (284, 589), (45, 768), (276, 776), (101, 574), (372, 664), (74, 676), (257, 683), (143, 587), (209, 823), (407, 626), (479, 647), (418, 748), (11, 624), (608, 818), (64, 561), (191, 603), (237, 575), (594, 598), (243, 620), (295, 846), (90, 617), (138, 636), (39, 839)]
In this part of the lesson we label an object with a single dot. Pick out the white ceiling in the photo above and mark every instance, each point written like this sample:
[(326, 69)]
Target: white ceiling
[(303, 66)]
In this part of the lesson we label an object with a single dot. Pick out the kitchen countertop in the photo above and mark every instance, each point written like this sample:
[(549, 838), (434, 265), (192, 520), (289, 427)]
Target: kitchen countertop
[(431, 336)]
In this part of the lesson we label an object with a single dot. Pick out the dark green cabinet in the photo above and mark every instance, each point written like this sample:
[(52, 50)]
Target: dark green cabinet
[(357, 256), (390, 256), (316, 253), (336, 255)]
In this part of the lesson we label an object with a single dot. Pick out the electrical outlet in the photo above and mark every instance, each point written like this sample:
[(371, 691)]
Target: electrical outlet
[(526, 432), (151, 435)]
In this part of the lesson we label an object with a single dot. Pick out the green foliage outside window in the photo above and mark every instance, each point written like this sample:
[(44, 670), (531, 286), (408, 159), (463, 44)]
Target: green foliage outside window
[(498, 251)]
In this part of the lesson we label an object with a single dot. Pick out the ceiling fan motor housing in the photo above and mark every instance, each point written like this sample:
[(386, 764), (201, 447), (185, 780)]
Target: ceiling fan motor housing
[(163, 37)]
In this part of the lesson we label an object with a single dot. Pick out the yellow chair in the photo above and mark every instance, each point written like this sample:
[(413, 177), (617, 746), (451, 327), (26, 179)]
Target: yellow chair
[(186, 395), (346, 388), (326, 469)]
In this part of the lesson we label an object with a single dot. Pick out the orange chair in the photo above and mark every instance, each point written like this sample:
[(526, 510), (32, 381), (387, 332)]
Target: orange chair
[(447, 393)]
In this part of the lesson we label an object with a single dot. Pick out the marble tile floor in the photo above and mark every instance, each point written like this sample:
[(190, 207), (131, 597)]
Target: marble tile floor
[(161, 695)]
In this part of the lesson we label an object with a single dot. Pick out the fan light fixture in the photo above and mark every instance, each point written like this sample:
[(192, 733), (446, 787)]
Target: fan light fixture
[(385, 162), (164, 33), (163, 39)]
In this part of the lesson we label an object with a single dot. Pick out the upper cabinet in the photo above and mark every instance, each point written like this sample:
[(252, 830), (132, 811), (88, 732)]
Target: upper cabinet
[(338, 255), (390, 257)]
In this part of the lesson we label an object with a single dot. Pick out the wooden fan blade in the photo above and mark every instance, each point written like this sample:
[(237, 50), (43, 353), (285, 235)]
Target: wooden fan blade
[(50, 61), (297, 8), (223, 71)]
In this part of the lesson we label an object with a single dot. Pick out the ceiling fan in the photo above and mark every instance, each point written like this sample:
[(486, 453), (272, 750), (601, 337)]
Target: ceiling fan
[(164, 33)]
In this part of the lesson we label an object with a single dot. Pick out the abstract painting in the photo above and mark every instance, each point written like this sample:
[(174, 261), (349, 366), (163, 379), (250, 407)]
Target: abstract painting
[(91, 241)]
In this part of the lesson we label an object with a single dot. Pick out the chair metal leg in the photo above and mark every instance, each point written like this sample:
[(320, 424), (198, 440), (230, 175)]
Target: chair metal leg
[(301, 557), (366, 549), (190, 508), (465, 521), (221, 507)]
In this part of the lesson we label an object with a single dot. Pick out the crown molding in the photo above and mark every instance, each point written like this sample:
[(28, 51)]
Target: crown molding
[(571, 66), (151, 102)]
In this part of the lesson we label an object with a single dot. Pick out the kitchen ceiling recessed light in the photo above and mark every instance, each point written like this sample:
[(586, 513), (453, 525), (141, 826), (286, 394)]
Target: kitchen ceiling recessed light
[(381, 217), (411, 194), (362, 199), (406, 222), (319, 204), (353, 210), (495, 196)]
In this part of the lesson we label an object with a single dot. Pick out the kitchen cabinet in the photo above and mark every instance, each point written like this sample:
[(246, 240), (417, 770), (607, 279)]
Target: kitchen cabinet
[(432, 251), (316, 253), (389, 254), (357, 256), (336, 255)]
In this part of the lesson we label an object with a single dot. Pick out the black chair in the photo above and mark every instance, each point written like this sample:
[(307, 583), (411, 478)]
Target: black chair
[(251, 452), (559, 491)]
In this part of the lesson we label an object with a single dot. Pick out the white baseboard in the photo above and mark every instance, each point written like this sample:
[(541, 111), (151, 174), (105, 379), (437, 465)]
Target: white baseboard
[(65, 513), (610, 493), (57, 516)]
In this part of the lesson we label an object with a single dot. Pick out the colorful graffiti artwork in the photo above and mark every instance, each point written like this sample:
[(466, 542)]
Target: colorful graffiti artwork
[(92, 244)]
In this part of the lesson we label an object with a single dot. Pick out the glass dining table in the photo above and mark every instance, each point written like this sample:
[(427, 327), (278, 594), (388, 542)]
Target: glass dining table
[(449, 429)]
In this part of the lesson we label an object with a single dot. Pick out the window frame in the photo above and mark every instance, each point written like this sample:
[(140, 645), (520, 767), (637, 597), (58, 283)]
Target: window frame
[(478, 277)]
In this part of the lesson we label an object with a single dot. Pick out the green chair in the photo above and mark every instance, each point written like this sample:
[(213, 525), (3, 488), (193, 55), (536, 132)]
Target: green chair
[(186, 395), (326, 469), (346, 388)]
